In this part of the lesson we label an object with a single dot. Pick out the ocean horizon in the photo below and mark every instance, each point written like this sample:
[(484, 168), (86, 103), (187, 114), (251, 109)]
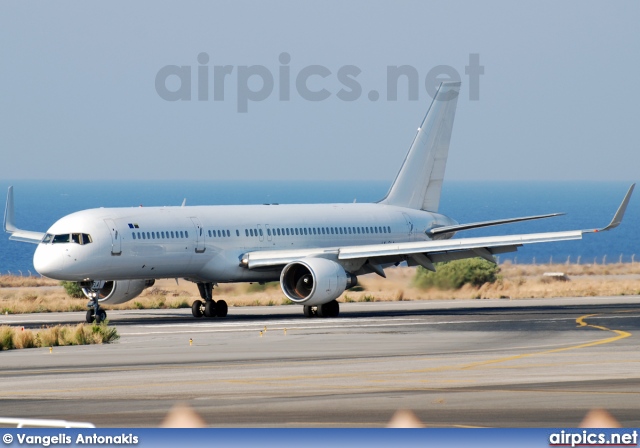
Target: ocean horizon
[(588, 205)]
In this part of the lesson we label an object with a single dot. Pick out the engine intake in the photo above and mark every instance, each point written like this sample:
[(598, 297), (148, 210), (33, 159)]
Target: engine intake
[(314, 281), (120, 291)]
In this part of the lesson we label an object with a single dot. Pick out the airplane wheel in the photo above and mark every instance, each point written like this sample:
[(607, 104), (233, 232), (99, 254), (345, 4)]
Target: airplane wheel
[(307, 311), (221, 308), (334, 308), (196, 308), (90, 316), (210, 308), (330, 309), (102, 316)]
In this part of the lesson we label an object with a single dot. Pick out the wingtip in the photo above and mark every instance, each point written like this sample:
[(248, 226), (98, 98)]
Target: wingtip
[(619, 216)]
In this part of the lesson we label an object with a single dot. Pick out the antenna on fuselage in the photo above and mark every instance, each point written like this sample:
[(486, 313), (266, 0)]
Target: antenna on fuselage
[(184, 202)]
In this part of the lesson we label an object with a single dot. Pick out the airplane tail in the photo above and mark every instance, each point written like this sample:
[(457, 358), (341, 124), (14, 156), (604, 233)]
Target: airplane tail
[(419, 183)]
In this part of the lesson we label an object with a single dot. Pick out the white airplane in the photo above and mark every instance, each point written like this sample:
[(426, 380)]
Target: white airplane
[(316, 251)]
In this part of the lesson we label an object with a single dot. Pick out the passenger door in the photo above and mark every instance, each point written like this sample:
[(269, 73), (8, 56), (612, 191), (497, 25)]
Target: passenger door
[(116, 238), (200, 235)]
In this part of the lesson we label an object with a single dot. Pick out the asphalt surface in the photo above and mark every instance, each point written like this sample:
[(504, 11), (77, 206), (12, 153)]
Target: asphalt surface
[(454, 363)]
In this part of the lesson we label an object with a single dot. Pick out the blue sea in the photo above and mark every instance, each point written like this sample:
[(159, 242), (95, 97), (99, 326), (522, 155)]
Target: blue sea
[(587, 205)]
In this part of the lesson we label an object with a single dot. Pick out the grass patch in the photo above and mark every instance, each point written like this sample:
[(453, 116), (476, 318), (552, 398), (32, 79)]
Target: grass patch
[(59, 335), (15, 281)]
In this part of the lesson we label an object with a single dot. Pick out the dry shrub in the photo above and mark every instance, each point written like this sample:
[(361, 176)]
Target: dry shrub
[(60, 335), (23, 339), (6, 338), (48, 337)]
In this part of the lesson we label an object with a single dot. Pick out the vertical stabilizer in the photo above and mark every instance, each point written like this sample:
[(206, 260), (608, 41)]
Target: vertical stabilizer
[(419, 182)]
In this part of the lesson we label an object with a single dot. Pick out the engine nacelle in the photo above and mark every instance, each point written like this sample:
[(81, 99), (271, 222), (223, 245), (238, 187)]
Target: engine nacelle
[(314, 281), (120, 291)]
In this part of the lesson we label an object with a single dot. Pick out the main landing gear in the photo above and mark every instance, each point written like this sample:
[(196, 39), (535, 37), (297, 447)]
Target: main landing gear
[(94, 313), (208, 308), (329, 309)]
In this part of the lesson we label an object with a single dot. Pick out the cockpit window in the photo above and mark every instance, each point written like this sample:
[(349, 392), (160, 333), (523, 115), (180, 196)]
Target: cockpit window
[(78, 238), (61, 238)]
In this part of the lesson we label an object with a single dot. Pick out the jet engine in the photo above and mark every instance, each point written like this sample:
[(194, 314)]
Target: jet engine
[(314, 281), (114, 292)]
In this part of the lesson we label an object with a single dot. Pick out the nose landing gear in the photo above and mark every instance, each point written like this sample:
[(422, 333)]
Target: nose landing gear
[(210, 307), (95, 313)]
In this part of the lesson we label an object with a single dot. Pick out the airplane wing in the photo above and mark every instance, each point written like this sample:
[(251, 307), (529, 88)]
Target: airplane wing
[(425, 253), (25, 236)]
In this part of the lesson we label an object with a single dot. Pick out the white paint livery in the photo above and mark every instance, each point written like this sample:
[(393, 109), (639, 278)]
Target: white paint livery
[(315, 251)]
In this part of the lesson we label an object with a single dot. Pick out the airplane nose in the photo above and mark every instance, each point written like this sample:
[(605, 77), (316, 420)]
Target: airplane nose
[(48, 262)]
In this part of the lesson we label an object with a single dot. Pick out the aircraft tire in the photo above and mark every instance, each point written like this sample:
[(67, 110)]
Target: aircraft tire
[(210, 308), (196, 308), (90, 316), (307, 311), (101, 316), (334, 308), (221, 308)]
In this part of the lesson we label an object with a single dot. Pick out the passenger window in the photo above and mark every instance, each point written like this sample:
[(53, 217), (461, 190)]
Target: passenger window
[(181, 234), (143, 236), (251, 232), (246, 232), (153, 235), (228, 233), (260, 231), (219, 234), (133, 234), (186, 234), (237, 232), (287, 231)]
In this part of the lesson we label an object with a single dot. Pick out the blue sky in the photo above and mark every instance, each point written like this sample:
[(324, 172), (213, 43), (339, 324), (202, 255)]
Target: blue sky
[(558, 98)]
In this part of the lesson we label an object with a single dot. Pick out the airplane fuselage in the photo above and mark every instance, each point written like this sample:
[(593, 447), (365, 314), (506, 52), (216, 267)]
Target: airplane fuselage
[(206, 243)]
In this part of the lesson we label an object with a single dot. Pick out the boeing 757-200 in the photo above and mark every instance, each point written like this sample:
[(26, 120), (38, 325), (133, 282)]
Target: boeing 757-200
[(316, 251)]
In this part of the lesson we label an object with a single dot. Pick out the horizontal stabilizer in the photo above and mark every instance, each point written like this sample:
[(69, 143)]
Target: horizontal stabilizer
[(477, 225)]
